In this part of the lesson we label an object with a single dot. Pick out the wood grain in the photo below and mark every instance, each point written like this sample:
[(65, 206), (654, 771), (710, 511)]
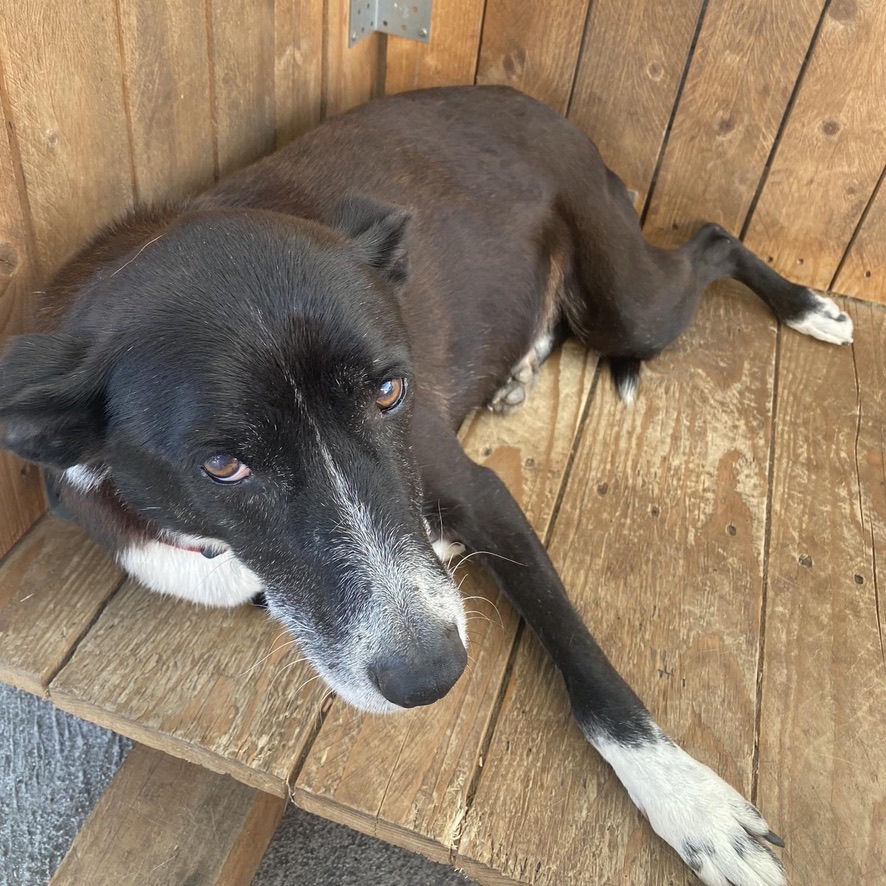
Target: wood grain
[(166, 822), (659, 540), (623, 100), (52, 587), (449, 58), (166, 68), (739, 83), (298, 68), (823, 732), (64, 82), (243, 52), (351, 76), (407, 778), (222, 688), (21, 490), (832, 151), (533, 46), (863, 272)]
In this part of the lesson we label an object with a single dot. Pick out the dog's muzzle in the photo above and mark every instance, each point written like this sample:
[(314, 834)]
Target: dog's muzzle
[(420, 671)]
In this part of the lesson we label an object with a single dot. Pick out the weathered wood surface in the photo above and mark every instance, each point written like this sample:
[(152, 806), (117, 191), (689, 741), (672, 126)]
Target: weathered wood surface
[(659, 540), (165, 822), (449, 58), (298, 81), (223, 688), (168, 96), (352, 76), (21, 492), (407, 778), (243, 64), (64, 86), (623, 100), (740, 80), (533, 46), (832, 151), (823, 726), (863, 273), (53, 585)]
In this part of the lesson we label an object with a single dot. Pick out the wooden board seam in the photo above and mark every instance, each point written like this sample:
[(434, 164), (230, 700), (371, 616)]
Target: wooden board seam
[(782, 126), (33, 254), (764, 591), (578, 57), (127, 109), (650, 192), (298, 765), (213, 100), (9, 554), (486, 742), (81, 636), (856, 231)]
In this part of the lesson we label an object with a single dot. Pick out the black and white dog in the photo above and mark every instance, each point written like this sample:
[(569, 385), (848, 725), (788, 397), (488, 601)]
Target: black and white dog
[(258, 390)]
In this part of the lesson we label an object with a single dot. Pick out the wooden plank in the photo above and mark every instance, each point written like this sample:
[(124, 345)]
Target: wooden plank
[(52, 587), (623, 99), (407, 778), (832, 151), (822, 731), (64, 83), (741, 78), (166, 62), (21, 490), (224, 688), (533, 46), (659, 539), (351, 76), (863, 272), (450, 58), (243, 58), (205, 829), (298, 68)]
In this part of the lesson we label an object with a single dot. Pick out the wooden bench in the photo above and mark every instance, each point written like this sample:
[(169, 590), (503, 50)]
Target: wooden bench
[(721, 538)]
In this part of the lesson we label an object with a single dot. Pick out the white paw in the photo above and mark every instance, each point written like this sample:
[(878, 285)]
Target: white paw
[(825, 321), (712, 827)]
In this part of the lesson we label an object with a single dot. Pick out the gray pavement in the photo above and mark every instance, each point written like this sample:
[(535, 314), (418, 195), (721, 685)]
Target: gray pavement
[(54, 767)]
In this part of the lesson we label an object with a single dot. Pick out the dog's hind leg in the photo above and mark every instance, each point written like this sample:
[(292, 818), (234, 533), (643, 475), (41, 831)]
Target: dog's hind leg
[(717, 255)]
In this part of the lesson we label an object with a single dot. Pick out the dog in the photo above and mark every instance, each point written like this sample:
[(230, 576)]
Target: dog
[(270, 376)]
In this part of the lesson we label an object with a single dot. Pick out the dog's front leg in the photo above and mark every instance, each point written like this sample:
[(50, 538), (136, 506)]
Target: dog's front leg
[(714, 829)]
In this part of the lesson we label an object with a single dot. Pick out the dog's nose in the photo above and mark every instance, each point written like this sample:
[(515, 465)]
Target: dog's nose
[(422, 673)]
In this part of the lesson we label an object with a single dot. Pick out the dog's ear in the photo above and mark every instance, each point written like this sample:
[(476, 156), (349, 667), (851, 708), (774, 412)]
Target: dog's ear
[(378, 231), (50, 400)]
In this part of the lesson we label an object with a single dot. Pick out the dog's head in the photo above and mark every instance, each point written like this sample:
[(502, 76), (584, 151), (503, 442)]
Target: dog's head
[(245, 377)]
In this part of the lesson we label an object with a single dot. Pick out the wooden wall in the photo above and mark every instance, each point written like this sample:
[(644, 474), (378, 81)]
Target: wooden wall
[(765, 115)]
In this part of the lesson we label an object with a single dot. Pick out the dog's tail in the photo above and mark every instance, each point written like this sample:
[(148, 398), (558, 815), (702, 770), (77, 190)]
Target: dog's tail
[(626, 377)]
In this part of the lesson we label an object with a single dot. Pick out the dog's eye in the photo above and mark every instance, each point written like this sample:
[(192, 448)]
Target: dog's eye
[(225, 468), (390, 394)]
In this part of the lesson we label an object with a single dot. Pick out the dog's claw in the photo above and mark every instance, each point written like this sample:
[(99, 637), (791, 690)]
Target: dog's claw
[(774, 839)]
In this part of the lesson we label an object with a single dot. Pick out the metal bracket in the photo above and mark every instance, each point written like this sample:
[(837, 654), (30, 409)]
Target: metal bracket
[(403, 18)]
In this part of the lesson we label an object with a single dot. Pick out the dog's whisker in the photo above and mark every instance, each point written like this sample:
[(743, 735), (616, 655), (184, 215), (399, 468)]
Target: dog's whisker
[(288, 641), (490, 602)]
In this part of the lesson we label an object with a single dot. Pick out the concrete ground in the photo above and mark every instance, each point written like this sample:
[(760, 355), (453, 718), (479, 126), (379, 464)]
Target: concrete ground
[(54, 767)]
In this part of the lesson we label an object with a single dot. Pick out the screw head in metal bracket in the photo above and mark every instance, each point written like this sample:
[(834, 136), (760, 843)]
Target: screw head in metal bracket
[(400, 18)]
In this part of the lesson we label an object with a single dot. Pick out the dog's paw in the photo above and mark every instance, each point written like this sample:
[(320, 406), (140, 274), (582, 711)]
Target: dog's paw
[(718, 833), (523, 378), (824, 320)]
